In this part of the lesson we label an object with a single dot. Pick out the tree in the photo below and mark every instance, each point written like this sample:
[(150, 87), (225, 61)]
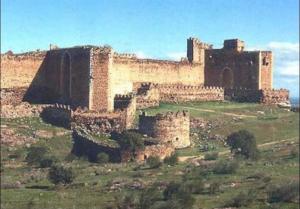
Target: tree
[(35, 155), (243, 143), (154, 162), (61, 175), (131, 141)]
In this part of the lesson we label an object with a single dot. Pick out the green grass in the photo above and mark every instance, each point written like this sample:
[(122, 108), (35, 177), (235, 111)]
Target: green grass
[(90, 188)]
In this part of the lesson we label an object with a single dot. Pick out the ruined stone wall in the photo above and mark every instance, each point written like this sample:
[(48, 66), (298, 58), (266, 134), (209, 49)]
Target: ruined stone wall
[(126, 104), (129, 70), (271, 96), (147, 95), (266, 73), (18, 70), (99, 123), (265, 96), (242, 69), (160, 150), (12, 96), (173, 128)]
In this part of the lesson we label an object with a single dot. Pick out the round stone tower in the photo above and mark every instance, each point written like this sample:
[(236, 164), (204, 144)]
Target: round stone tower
[(170, 127)]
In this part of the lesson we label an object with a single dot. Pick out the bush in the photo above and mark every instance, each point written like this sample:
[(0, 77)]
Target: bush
[(242, 199), (47, 161), (153, 162), (193, 186), (243, 143), (102, 158), (225, 167), (214, 187), (211, 156), (35, 155), (170, 190), (284, 193), (294, 153), (60, 175), (132, 141), (171, 160)]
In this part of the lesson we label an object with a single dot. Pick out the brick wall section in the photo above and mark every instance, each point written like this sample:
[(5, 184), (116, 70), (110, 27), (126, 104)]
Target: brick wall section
[(101, 79), (171, 128), (243, 65)]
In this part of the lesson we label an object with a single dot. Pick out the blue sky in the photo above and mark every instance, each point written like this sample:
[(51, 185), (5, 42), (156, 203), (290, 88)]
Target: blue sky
[(157, 29)]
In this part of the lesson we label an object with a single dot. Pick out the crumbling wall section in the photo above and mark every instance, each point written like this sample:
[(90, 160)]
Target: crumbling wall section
[(147, 96)]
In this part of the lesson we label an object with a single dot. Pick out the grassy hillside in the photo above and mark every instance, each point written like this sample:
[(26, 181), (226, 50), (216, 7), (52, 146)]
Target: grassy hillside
[(99, 185)]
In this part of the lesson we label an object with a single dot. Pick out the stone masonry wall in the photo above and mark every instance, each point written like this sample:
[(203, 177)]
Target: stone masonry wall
[(266, 73), (12, 96), (184, 93), (129, 70), (171, 128), (19, 70), (147, 95), (242, 69), (102, 96)]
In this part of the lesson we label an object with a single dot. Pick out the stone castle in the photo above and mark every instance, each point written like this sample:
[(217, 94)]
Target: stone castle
[(99, 89)]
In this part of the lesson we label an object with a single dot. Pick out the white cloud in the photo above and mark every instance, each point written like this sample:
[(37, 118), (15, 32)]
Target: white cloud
[(141, 54), (176, 55)]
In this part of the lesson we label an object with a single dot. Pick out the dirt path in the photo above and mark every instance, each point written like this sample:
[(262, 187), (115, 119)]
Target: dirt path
[(224, 113), (199, 157)]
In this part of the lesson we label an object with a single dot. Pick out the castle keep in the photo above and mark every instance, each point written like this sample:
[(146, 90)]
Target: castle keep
[(91, 76)]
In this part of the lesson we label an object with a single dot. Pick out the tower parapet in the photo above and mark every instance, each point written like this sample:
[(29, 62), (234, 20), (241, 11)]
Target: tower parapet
[(196, 50), (234, 44)]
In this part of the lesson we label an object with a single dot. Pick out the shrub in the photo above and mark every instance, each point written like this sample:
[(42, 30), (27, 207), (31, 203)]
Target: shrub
[(211, 156), (225, 167), (243, 143), (132, 140), (294, 153), (171, 189), (214, 187), (35, 155), (47, 161), (284, 193), (171, 160), (153, 162), (242, 199), (102, 158), (177, 196), (61, 175), (193, 186)]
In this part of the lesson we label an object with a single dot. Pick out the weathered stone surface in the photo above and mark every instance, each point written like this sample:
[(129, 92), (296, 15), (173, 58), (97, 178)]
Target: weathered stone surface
[(171, 128)]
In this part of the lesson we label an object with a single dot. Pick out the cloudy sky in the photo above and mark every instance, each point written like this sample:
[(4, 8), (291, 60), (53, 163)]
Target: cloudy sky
[(157, 28)]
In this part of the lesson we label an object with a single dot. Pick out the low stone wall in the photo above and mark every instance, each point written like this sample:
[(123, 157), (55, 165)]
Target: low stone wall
[(271, 96), (21, 110), (59, 115), (99, 123), (85, 144), (12, 96), (265, 96), (126, 105), (184, 93), (243, 95), (171, 128), (160, 150)]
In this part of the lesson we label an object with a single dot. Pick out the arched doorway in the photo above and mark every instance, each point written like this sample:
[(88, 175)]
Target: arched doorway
[(227, 78), (65, 79)]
